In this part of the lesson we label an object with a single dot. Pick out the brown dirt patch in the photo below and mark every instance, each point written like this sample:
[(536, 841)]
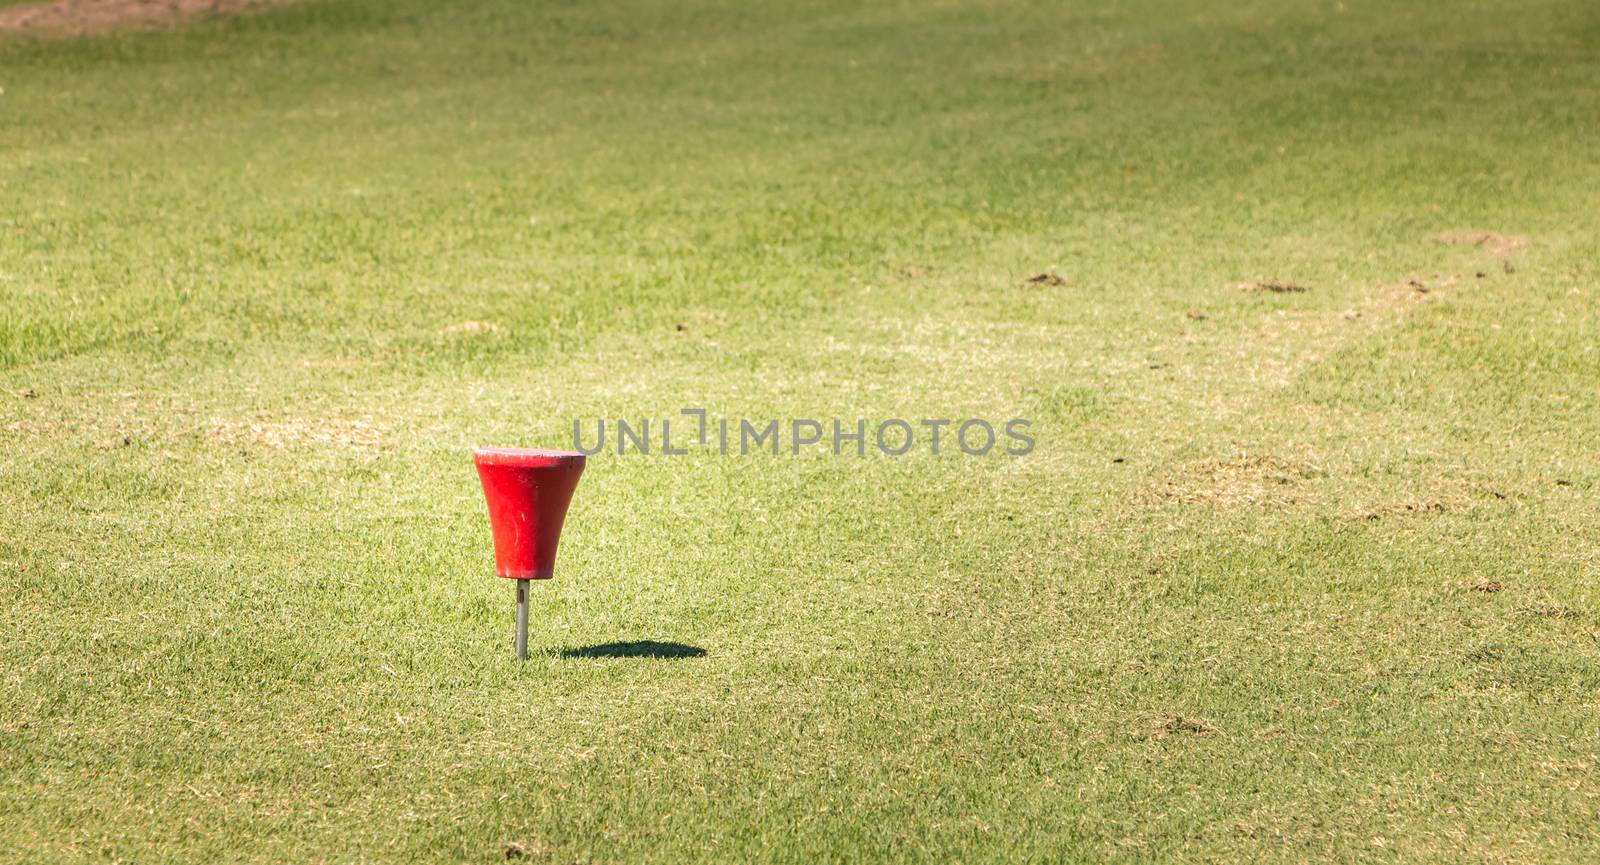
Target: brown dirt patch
[(1492, 242), (1046, 278), (515, 850), (79, 17)]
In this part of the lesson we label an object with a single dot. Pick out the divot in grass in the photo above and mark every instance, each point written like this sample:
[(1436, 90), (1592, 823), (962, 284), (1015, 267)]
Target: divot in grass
[(1275, 286), (1182, 725)]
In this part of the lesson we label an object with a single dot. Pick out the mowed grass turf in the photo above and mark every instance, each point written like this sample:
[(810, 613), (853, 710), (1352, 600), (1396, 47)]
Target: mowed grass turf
[(1290, 576)]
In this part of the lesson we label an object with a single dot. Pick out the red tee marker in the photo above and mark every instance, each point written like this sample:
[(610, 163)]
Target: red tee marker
[(528, 490)]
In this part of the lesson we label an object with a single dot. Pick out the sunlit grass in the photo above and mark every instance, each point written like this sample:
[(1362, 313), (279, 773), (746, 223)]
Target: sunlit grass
[(1290, 575)]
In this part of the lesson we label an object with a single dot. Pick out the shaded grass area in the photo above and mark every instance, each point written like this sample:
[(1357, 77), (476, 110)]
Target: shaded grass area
[(1290, 576)]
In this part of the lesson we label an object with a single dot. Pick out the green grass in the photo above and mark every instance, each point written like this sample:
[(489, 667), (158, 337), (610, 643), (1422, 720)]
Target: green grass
[(1283, 583)]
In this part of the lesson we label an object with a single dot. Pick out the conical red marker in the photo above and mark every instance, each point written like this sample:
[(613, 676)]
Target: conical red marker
[(528, 490)]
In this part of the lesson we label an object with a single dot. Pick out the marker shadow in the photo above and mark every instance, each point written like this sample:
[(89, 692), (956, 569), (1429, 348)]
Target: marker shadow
[(634, 649)]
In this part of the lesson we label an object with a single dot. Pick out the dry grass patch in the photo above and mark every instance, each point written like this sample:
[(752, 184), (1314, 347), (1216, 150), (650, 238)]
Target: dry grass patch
[(1415, 288), (1406, 508), (1241, 480), (1492, 242), (361, 434), (471, 327), (80, 17)]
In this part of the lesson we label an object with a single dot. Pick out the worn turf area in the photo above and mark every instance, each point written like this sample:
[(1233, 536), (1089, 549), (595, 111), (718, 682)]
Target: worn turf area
[(1302, 568)]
